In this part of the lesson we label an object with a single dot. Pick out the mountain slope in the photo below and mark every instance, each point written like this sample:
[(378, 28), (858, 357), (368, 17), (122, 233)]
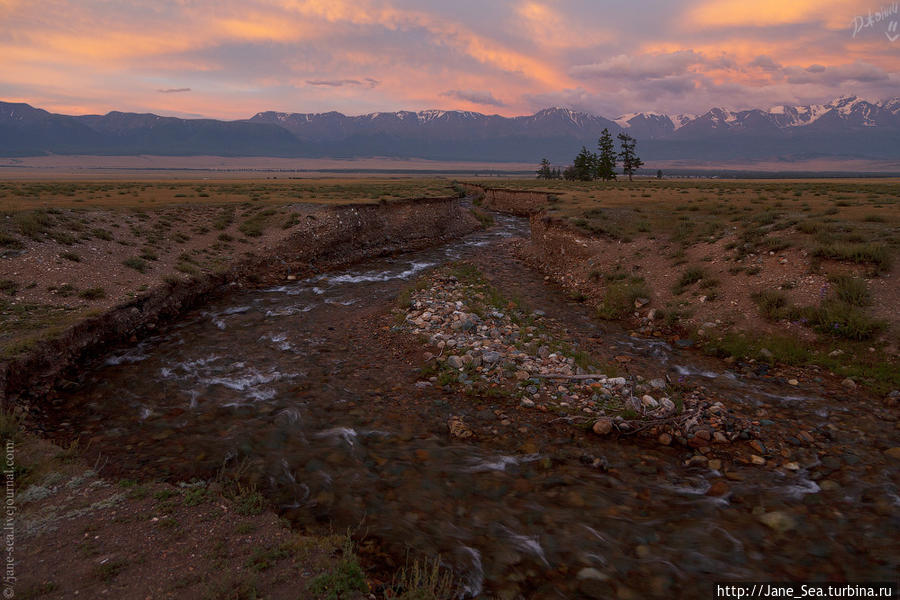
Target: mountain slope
[(845, 127)]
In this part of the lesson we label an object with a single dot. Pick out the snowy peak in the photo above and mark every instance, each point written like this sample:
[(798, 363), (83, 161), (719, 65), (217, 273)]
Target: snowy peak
[(846, 111)]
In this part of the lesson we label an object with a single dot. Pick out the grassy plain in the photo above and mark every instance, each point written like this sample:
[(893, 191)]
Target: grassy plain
[(803, 270), (69, 249)]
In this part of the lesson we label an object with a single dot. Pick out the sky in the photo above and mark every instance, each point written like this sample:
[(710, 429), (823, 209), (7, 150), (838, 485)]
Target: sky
[(230, 59)]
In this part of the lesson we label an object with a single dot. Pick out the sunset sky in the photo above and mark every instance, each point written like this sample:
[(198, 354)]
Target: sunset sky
[(232, 58)]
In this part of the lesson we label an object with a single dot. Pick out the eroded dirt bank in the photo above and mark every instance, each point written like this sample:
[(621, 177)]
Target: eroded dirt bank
[(325, 237), (514, 202)]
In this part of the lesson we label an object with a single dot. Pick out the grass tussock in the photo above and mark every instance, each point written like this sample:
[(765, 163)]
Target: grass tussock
[(851, 290), (343, 580), (484, 218), (136, 263), (689, 277), (874, 254), (423, 580), (619, 298)]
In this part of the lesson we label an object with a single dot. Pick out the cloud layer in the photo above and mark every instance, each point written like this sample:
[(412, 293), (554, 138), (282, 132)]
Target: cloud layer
[(231, 59)]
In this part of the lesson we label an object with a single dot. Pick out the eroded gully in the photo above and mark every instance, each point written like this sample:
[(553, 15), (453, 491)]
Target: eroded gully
[(310, 388)]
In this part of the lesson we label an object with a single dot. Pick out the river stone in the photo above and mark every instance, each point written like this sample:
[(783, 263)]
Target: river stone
[(455, 362), (667, 407), (458, 428), (657, 384), (603, 426), (591, 573), (893, 452), (633, 404), (718, 488), (778, 520), (490, 357)]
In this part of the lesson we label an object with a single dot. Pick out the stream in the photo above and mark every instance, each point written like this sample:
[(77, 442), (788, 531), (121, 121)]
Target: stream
[(297, 386)]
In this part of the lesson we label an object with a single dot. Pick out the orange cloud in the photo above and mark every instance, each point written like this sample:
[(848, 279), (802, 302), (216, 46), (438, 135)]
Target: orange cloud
[(452, 34), (767, 13)]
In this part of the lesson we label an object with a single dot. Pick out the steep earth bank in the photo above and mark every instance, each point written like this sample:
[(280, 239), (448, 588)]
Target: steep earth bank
[(326, 237)]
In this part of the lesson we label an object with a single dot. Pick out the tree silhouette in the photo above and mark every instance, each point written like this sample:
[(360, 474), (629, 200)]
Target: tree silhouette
[(545, 172), (630, 160), (606, 161), (585, 165)]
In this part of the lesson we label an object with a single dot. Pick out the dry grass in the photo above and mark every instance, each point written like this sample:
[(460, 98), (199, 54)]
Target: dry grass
[(19, 196), (693, 211)]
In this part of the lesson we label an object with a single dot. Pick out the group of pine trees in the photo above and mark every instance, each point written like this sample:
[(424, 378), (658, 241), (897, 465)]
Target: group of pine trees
[(588, 165)]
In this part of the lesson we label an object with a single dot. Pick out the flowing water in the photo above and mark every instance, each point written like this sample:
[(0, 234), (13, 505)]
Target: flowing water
[(299, 384)]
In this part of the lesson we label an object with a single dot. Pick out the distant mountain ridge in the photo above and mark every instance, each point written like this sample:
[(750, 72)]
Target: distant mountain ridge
[(849, 127)]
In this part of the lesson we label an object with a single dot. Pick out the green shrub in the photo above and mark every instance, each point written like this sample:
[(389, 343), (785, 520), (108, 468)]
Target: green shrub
[(138, 264), (33, 223), (94, 293), (344, 579), (871, 253), (10, 241), (771, 303), (851, 290), (102, 234), (690, 276), (619, 297), (9, 287), (840, 319)]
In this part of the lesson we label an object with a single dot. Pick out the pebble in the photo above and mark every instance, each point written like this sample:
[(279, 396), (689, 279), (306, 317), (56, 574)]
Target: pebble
[(848, 383), (602, 426), (718, 488), (829, 485), (793, 382), (499, 350), (591, 573), (490, 357), (698, 460), (778, 520), (893, 452), (458, 428), (757, 460)]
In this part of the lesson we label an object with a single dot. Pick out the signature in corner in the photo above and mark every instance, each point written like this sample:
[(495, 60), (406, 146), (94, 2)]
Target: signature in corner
[(882, 15)]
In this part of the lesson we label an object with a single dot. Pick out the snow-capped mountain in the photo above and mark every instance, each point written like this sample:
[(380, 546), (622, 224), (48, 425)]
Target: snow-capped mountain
[(846, 111), (845, 127)]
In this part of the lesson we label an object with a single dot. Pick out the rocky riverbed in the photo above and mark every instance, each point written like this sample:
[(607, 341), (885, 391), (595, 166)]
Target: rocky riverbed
[(320, 393), (488, 344)]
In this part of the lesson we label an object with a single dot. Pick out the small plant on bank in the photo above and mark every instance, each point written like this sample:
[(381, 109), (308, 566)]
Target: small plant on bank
[(620, 296), (690, 276), (423, 580), (347, 577), (136, 263), (94, 293)]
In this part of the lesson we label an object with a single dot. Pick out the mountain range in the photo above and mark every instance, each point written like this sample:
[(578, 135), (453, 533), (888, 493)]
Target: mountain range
[(847, 127)]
